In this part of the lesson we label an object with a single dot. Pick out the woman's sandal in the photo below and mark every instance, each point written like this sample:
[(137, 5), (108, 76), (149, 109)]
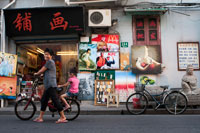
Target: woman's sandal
[(38, 120), (61, 121)]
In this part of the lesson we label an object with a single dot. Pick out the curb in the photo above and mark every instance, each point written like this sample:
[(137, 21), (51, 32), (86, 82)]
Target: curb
[(115, 112)]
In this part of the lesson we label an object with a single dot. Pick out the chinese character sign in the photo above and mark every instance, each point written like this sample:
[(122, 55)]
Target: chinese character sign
[(106, 42), (23, 22), (188, 53), (58, 22), (44, 21)]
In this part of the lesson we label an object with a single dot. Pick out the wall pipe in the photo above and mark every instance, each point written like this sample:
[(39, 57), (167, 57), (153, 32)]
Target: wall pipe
[(3, 33)]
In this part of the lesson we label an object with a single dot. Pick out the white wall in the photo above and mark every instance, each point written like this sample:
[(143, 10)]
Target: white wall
[(163, 1), (177, 28), (174, 28)]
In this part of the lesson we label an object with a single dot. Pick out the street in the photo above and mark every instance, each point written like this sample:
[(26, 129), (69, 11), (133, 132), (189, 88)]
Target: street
[(106, 124)]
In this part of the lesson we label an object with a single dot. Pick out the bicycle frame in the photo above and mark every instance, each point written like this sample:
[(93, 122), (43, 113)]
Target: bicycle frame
[(147, 93)]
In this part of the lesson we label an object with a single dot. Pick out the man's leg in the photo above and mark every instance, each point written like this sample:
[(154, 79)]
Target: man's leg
[(44, 103), (57, 104)]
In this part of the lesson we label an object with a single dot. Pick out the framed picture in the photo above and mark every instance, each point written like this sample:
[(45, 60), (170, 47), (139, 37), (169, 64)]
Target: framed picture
[(146, 59), (32, 60), (8, 87), (107, 60), (87, 56), (147, 79), (188, 53), (102, 88), (86, 86), (124, 84), (20, 69), (106, 42), (8, 64)]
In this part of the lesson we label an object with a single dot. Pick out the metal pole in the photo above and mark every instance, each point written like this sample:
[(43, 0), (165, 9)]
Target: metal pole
[(3, 34)]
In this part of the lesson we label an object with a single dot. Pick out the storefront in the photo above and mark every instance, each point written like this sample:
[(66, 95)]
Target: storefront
[(36, 29)]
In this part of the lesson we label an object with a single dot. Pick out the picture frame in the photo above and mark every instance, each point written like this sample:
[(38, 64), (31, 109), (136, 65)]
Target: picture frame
[(188, 53), (111, 61), (106, 42), (102, 88)]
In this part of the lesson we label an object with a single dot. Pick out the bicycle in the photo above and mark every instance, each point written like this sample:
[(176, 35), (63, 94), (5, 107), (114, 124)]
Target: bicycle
[(175, 102), (25, 108)]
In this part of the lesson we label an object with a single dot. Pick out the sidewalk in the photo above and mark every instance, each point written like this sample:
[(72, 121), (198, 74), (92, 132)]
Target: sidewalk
[(87, 108)]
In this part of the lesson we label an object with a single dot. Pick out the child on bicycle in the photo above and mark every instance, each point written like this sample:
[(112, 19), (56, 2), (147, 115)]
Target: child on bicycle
[(73, 81)]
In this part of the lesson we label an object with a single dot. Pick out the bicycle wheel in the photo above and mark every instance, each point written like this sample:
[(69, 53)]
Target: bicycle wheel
[(175, 102), (136, 103), (74, 110), (25, 109)]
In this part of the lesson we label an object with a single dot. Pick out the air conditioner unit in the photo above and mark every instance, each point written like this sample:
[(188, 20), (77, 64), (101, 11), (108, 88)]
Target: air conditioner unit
[(99, 17)]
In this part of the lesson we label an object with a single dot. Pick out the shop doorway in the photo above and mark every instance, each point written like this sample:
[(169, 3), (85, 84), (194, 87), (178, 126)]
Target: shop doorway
[(31, 56)]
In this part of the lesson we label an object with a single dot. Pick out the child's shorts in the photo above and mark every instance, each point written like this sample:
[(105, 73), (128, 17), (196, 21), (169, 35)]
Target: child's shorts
[(69, 94)]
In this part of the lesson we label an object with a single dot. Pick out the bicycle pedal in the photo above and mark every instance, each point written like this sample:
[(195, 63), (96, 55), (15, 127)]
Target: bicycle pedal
[(157, 106)]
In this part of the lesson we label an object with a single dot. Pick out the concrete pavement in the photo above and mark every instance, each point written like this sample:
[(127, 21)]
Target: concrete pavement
[(88, 108)]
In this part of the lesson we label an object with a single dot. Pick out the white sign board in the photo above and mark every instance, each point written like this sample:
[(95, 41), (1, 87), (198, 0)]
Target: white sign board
[(188, 53)]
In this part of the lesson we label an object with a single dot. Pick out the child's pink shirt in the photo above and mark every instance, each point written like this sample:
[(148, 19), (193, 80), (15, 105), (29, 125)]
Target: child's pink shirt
[(74, 82)]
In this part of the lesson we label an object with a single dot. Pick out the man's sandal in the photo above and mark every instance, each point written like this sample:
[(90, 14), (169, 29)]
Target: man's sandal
[(61, 121)]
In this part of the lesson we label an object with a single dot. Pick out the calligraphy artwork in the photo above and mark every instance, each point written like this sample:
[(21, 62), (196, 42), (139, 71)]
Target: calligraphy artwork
[(106, 42), (23, 22), (152, 23), (152, 35), (139, 23), (140, 35), (58, 22), (188, 53)]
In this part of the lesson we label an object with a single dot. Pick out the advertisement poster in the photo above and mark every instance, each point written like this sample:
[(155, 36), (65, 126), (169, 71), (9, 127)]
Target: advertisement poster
[(32, 60), (146, 59), (147, 79), (86, 86), (106, 42), (125, 56), (124, 84), (87, 56), (188, 53), (8, 87), (8, 64), (107, 60)]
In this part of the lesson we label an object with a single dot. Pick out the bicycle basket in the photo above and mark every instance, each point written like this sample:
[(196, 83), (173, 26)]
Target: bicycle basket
[(139, 87)]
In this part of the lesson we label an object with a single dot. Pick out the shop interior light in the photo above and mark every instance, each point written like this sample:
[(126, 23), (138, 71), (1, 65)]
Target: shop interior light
[(40, 50), (66, 53)]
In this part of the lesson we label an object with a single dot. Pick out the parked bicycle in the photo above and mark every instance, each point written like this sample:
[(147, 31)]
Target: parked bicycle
[(25, 108), (174, 101)]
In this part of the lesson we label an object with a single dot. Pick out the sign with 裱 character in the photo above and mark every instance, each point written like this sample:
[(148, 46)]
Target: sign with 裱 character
[(188, 53), (44, 21)]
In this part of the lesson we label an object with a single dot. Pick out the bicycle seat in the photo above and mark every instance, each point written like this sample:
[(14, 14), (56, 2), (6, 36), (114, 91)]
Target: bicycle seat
[(164, 87)]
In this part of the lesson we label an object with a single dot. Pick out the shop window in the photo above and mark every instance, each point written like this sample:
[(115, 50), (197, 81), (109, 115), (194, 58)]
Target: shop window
[(146, 30), (66, 57)]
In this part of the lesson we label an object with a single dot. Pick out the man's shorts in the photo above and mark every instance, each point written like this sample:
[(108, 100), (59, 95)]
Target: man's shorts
[(69, 94)]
